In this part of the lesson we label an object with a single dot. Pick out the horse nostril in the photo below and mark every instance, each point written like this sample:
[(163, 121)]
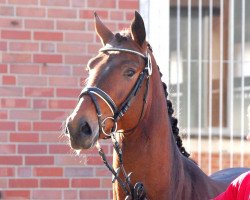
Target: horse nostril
[(85, 128)]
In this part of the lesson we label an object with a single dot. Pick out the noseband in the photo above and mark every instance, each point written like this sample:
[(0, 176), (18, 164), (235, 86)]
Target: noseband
[(136, 192)]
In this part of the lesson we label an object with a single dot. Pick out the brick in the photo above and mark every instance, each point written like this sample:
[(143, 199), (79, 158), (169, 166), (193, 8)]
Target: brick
[(128, 4), (55, 3), (11, 91), (39, 160), (3, 68), (3, 183), (48, 171), (94, 160), (30, 12), (85, 183), (106, 183), (23, 2), (78, 3), (3, 46), (62, 104), (16, 58), (15, 103), (47, 58), (48, 47), (56, 70), (70, 25), (80, 71), (69, 194), (93, 49), (23, 183), (48, 36), (79, 37), (53, 115), (54, 183), (3, 114), (47, 126), (62, 13), (63, 81), (4, 137), (75, 59), (39, 92), (24, 114), (60, 92), (9, 80), (46, 194), (94, 194), (39, 24), (11, 160), (16, 194), (24, 172), (24, 126), (24, 69), (7, 171), (10, 23), (89, 14), (123, 25), (7, 126), (71, 48), (79, 172), (24, 137), (101, 4), (32, 149), (7, 149), (40, 103), (59, 149), (117, 15), (32, 80), (16, 35), (129, 15), (52, 137), (69, 160), (6, 11), (23, 46)]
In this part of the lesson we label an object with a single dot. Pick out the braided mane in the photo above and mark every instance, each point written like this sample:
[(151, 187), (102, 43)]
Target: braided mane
[(174, 123), (173, 120), (123, 36)]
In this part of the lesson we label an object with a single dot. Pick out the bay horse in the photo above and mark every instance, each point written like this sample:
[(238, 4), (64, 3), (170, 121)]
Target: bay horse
[(124, 99)]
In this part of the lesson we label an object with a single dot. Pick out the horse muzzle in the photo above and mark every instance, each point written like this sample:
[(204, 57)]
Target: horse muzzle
[(82, 135)]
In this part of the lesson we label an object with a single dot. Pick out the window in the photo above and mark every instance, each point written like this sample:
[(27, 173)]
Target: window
[(207, 44)]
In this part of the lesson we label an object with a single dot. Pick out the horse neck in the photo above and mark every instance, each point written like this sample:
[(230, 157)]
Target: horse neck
[(150, 151)]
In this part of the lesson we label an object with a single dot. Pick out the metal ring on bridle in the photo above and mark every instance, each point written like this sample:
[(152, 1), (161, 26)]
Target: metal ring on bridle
[(114, 128)]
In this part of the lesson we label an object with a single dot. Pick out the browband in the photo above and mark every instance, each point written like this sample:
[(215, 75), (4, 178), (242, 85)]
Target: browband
[(123, 50)]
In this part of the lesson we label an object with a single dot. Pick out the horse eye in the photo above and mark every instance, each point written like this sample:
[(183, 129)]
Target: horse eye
[(130, 73)]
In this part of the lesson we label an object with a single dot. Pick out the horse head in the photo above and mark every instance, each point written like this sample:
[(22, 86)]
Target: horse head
[(114, 95)]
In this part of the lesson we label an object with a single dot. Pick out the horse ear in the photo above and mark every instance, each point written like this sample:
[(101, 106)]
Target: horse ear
[(138, 29), (103, 32)]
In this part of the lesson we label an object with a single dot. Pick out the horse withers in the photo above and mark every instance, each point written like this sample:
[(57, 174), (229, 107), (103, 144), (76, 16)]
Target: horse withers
[(125, 100)]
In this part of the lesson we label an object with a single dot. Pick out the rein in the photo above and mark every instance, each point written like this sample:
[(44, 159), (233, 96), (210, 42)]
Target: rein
[(136, 192)]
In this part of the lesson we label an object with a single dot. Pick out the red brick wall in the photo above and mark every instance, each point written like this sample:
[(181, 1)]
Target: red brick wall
[(45, 45)]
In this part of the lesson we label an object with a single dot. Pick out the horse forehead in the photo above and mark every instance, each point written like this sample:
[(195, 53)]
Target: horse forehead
[(111, 59)]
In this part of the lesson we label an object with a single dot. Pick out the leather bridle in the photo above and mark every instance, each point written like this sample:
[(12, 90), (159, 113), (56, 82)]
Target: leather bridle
[(119, 112), (137, 191)]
